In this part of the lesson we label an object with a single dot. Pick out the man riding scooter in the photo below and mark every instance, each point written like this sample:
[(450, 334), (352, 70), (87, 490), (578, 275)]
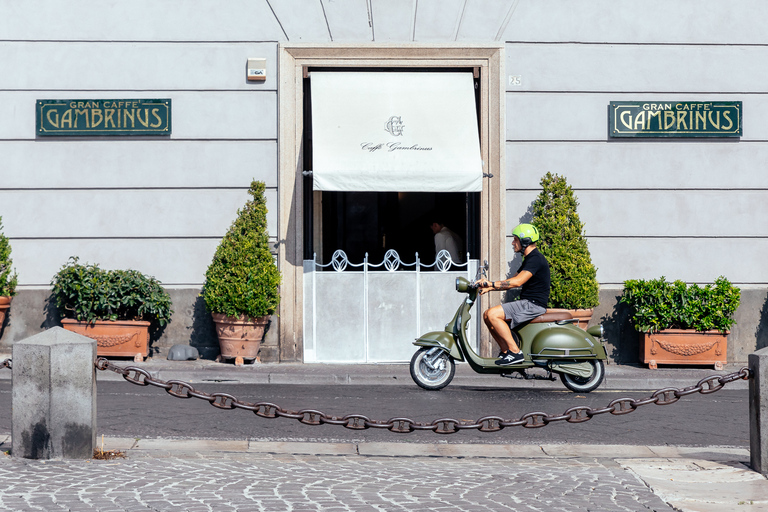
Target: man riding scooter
[(533, 276)]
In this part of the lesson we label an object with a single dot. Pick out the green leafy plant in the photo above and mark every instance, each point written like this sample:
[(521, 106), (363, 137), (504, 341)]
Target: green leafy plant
[(563, 243), (88, 293), (657, 304), (243, 278), (8, 276)]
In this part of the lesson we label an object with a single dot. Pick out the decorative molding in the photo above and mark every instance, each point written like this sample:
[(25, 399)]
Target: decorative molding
[(293, 59), (685, 349)]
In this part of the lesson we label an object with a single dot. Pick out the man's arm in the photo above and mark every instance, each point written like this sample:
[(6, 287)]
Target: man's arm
[(515, 281)]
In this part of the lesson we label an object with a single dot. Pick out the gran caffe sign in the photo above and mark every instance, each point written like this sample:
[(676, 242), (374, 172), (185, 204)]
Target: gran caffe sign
[(675, 119), (103, 117)]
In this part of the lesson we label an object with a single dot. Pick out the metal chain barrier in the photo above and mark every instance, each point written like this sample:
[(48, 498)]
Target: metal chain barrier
[(7, 364), (578, 414)]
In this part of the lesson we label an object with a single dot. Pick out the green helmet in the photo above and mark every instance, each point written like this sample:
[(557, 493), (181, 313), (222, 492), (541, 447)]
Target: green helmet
[(527, 234)]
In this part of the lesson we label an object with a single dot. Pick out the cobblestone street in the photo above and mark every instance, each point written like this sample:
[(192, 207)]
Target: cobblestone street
[(265, 482)]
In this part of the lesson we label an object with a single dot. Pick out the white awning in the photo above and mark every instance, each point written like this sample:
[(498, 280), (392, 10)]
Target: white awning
[(395, 132)]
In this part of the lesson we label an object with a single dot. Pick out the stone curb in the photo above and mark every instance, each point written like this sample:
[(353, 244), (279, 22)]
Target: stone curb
[(186, 446), (395, 449)]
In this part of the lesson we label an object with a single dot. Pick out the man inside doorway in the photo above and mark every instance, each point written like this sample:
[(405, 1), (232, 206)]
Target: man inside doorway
[(445, 239), (533, 276)]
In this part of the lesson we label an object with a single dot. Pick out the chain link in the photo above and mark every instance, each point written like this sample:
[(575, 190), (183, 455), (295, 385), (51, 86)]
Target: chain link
[(578, 414), (7, 364)]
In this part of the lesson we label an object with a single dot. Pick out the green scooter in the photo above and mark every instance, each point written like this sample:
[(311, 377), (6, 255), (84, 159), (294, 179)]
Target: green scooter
[(550, 341)]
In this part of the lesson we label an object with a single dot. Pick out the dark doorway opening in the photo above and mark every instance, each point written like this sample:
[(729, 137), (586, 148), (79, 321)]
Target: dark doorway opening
[(374, 222)]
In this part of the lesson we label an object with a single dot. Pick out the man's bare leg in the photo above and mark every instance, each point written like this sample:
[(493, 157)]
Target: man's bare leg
[(494, 319)]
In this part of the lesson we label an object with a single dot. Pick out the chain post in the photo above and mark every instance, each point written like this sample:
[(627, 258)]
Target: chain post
[(399, 425)]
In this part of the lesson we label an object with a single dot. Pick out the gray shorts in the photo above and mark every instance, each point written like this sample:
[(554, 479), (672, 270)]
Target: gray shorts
[(520, 311)]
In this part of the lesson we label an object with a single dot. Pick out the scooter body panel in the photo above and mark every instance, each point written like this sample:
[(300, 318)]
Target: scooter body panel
[(559, 341)]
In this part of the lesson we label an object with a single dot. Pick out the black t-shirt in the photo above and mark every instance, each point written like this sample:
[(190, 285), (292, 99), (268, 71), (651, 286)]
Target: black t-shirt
[(536, 289)]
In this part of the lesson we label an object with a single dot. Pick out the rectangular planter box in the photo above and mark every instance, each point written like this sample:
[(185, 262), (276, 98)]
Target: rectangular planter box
[(683, 346), (127, 338)]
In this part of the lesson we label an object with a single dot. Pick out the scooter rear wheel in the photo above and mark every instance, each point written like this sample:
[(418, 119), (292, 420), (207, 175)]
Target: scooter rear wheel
[(585, 384), (432, 372)]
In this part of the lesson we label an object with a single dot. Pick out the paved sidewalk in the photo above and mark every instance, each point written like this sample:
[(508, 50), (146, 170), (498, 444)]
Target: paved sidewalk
[(176, 474)]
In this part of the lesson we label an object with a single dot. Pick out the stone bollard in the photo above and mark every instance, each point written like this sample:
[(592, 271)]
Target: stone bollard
[(758, 411), (54, 396)]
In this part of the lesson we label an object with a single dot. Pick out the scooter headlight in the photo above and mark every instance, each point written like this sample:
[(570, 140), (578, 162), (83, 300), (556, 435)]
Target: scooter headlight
[(462, 285)]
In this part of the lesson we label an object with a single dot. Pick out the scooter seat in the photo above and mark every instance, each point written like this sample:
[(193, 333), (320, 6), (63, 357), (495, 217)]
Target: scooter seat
[(553, 316)]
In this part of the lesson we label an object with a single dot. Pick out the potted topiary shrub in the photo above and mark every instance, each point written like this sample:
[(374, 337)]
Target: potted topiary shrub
[(8, 276), (114, 307), (681, 323), (241, 288), (563, 243)]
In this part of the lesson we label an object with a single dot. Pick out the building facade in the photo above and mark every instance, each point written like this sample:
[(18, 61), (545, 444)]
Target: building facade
[(544, 73)]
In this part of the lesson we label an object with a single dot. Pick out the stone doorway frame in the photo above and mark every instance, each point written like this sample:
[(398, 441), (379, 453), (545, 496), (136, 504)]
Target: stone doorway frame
[(488, 59)]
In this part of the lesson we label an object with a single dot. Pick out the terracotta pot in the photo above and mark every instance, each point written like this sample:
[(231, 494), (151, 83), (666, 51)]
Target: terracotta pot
[(127, 338), (683, 346), (240, 337), (583, 315), (5, 305)]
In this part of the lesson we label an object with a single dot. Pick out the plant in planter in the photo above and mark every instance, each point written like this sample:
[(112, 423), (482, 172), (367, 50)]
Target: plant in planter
[(681, 323), (114, 307), (562, 242), (8, 276), (241, 283)]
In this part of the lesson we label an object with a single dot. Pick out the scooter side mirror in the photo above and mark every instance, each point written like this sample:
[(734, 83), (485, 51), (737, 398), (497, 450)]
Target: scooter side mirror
[(462, 285)]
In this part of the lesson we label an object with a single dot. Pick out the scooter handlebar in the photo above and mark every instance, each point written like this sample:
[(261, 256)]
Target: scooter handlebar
[(463, 285)]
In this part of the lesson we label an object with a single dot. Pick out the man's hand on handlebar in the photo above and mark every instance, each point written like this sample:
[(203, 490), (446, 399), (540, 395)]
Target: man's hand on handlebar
[(483, 286)]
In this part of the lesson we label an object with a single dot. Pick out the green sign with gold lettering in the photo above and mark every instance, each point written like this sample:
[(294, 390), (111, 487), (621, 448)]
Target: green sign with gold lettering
[(103, 117), (675, 119)]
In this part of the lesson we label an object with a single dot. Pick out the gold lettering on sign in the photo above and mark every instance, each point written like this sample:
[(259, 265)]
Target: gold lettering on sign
[(669, 119), (701, 116), (144, 122), (103, 116), (108, 115), (640, 120), (716, 124), (651, 115), (81, 112), (159, 121), (726, 115), (628, 121), (695, 119), (129, 113), (53, 120), (66, 119), (96, 112)]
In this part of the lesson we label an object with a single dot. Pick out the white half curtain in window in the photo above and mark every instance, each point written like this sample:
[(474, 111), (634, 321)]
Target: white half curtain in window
[(395, 132)]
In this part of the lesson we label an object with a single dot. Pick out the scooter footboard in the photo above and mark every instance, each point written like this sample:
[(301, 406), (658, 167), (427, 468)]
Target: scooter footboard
[(440, 339)]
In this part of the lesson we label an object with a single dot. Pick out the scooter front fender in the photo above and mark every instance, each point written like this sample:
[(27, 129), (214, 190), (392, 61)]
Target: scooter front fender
[(442, 339)]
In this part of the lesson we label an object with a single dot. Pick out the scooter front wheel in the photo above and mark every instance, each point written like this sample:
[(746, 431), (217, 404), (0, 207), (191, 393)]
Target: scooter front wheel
[(433, 370), (585, 384)]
